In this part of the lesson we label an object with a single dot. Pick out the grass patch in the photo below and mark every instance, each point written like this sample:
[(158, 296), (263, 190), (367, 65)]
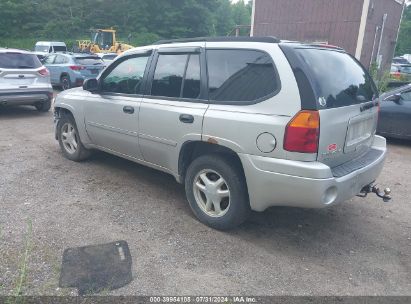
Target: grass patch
[(21, 281)]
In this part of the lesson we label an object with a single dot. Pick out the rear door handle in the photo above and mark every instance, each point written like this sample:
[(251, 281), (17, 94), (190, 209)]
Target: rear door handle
[(128, 110), (186, 118)]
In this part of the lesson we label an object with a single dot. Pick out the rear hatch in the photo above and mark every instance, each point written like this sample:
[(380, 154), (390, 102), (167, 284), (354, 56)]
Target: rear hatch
[(334, 83), (20, 71), (91, 66)]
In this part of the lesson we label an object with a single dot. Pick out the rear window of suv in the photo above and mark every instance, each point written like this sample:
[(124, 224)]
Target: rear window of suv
[(240, 76), (338, 79), (19, 61), (89, 60)]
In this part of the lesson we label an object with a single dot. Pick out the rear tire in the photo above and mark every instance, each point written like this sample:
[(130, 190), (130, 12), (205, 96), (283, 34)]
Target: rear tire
[(65, 83), (43, 106), (217, 192), (69, 140)]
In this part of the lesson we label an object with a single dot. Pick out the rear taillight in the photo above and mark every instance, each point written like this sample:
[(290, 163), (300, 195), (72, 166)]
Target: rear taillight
[(303, 132), (77, 67), (44, 72)]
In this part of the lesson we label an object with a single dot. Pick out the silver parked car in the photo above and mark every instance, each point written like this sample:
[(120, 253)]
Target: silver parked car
[(24, 80), (244, 123)]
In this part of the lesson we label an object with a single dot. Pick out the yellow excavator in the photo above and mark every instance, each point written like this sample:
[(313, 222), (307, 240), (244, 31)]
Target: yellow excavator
[(102, 41)]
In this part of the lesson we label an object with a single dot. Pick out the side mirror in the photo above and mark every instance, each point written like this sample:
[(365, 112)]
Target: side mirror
[(396, 98), (90, 85)]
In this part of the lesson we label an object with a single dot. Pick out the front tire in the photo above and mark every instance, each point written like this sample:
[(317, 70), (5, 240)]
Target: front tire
[(217, 192), (69, 140)]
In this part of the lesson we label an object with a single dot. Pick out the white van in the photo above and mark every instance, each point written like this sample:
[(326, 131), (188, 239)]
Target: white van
[(45, 47)]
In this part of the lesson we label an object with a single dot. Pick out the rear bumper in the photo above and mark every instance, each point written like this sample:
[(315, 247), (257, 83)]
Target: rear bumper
[(273, 182), (25, 98)]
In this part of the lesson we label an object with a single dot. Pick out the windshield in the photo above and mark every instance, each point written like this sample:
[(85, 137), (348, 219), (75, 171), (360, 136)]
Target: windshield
[(89, 60), (41, 48), (19, 61), (338, 79)]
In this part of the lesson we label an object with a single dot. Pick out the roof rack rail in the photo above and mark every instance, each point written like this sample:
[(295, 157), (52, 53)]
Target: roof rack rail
[(266, 39)]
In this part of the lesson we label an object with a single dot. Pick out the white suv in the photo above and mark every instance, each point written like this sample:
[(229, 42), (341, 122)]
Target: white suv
[(24, 80), (244, 123)]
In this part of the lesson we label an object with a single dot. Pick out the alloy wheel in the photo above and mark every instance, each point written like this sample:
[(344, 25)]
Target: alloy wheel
[(211, 193), (69, 138)]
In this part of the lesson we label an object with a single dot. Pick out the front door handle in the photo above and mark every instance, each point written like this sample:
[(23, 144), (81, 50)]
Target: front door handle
[(186, 118), (128, 110)]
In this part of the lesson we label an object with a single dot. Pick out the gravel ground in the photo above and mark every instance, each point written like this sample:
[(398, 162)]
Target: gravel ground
[(361, 247)]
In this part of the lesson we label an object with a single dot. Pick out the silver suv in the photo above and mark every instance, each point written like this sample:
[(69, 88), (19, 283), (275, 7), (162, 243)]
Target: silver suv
[(244, 123), (24, 80)]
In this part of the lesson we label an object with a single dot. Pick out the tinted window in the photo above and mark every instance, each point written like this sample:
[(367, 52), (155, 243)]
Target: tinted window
[(168, 77), (240, 76), (89, 60), (19, 61), (191, 84), (60, 48), (338, 79), (126, 77)]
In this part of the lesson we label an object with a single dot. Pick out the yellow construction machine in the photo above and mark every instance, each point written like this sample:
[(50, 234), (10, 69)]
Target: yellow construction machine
[(102, 41)]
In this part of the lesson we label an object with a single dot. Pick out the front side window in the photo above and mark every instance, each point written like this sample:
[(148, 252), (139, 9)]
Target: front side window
[(126, 77), (240, 76), (177, 75)]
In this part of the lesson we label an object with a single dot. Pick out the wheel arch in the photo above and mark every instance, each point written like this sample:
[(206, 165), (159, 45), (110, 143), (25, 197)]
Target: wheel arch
[(63, 74), (193, 149)]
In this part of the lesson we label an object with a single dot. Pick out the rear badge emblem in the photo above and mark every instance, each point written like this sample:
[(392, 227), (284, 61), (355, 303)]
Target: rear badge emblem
[(332, 148), (322, 101)]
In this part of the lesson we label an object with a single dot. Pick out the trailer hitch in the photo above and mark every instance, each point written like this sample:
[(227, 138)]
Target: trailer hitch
[(385, 194)]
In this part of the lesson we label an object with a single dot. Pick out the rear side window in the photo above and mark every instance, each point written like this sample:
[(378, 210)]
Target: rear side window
[(19, 61), (338, 80), (240, 76), (177, 75), (89, 60), (60, 59)]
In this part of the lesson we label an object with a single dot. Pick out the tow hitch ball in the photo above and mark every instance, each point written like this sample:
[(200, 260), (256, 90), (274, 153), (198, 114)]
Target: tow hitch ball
[(385, 195)]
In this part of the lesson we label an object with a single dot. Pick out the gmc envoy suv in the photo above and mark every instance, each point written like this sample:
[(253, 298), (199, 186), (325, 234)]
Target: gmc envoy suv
[(244, 123)]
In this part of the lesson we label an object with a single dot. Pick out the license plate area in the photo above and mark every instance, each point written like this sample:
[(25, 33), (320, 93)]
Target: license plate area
[(17, 81), (360, 131)]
